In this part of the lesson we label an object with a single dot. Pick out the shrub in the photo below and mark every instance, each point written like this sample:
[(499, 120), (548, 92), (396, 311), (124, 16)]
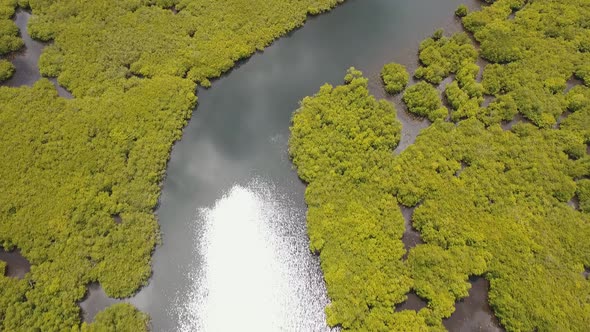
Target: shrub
[(462, 11), (422, 99), (6, 70), (395, 78)]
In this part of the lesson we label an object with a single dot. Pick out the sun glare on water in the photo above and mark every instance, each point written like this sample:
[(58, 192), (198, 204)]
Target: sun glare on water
[(255, 272)]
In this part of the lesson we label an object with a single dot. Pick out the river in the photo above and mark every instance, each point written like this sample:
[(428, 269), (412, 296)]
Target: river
[(235, 252)]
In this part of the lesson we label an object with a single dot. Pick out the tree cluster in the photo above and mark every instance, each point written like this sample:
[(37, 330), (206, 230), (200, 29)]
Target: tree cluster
[(441, 56), (395, 78), (512, 206), (534, 54), (10, 40), (341, 143), (422, 99), (71, 167)]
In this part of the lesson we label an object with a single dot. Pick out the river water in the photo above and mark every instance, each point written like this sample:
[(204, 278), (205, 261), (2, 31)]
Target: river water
[(235, 251)]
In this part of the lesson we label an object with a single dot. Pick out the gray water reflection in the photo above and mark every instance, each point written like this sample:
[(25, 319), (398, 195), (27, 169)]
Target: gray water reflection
[(26, 61), (411, 237), (474, 313), (414, 302), (241, 127), (16, 265), (95, 301)]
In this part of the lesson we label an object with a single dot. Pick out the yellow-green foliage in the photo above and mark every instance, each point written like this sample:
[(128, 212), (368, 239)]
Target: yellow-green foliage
[(509, 207), (440, 57), (6, 70), (423, 100), (462, 11), (535, 53), (101, 43), (118, 317), (465, 94), (489, 202), (395, 78), (11, 291), (578, 101), (69, 166), (9, 37), (342, 142)]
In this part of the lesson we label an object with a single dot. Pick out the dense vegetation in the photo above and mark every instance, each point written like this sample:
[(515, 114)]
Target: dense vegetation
[(441, 56), (118, 317), (341, 141), (71, 168), (422, 99), (395, 78), (9, 37), (511, 206)]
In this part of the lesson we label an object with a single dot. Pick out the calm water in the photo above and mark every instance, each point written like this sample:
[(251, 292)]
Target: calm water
[(16, 265), (232, 214), (26, 61), (234, 253)]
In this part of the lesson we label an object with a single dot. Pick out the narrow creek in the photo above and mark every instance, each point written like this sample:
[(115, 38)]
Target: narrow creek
[(26, 61), (235, 251), (473, 312)]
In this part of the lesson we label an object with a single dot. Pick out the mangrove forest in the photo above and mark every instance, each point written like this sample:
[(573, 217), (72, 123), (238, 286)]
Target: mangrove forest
[(80, 178), (506, 203)]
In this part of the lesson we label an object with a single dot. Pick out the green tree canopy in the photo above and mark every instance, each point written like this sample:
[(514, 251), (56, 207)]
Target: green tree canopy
[(423, 100), (395, 78)]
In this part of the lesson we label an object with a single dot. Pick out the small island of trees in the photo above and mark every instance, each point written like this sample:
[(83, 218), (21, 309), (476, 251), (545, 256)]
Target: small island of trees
[(395, 78)]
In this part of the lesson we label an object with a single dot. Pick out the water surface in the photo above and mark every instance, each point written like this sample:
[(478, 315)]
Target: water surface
[(16, 265), (473, 312), (26, 60), (232, 211)]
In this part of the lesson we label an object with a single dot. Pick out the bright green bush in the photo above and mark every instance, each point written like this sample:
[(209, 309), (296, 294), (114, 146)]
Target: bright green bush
[(118, 317), (422, 99), (395, 78), (6, 70), (583, 192), (535, 54), (462, 11), (504, 108), (71, 165), (9, 36), (513, 192), (440, 57), (462, 104), (465, 94), (438, 34), (200, 42)]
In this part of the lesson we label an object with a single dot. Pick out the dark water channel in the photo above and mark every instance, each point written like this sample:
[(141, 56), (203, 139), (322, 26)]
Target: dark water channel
[(26, 60), (16, 265), (473, 312), (235, 252), (414, 302), (411, 237)]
